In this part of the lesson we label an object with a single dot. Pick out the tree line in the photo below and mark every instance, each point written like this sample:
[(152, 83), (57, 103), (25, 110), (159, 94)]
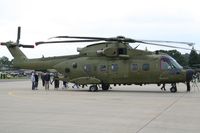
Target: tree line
[(5, 62)]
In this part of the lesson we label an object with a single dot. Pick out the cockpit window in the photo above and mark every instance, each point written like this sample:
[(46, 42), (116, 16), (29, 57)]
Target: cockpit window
[(175, 63), (167, 63)]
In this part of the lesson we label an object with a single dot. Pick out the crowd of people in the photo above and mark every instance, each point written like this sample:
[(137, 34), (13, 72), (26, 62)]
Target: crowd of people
[(47, 81)]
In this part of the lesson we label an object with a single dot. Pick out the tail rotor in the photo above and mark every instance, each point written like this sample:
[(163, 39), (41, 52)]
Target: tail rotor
[(17, 43), (18, 35)]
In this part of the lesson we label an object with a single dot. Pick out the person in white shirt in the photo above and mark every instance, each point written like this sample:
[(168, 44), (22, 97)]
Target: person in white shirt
[(33, 81)]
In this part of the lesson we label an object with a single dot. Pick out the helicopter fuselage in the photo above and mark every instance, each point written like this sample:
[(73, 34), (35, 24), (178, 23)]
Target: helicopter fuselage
[(113, 61), (111, 64)]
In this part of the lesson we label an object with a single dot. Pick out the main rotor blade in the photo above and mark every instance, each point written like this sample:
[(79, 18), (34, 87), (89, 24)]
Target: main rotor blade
[(188, 43), (121, 38), (18, 35), (117, 39), (69, 41), (79, 37), (163, 45)]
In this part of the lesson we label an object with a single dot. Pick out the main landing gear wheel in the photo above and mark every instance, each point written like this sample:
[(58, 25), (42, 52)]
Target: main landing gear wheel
[(105, 87), (173, 89), (93, 88)]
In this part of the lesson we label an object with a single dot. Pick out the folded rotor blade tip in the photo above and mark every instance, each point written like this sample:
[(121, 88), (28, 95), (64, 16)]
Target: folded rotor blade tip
[(51, 38), (38, 43)]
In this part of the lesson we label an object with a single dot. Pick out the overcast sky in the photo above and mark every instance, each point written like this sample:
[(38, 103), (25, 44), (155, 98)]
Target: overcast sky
[(177, 20)]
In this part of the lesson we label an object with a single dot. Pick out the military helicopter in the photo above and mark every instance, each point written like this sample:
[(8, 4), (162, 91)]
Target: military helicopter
[(108, 61)]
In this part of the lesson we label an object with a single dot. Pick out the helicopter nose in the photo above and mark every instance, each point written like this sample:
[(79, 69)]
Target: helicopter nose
[(189, 74)]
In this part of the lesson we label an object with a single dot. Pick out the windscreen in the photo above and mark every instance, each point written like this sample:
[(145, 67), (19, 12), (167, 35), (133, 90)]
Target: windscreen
[(168, 63)]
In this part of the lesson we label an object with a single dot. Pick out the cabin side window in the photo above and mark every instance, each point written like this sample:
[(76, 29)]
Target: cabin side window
[(114, 67), (102, 68), (88, 68), (74, 65), (134, 67), (145, 67)]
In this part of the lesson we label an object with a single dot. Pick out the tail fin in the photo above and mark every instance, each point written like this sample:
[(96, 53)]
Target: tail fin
[(16, 52), (19, 57)]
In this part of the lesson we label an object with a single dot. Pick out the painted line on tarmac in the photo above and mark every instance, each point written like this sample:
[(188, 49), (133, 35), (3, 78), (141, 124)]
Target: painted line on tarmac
[(162, 112), (13, 94)]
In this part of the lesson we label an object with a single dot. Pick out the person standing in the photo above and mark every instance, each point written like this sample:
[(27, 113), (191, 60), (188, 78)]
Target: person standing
[(33, 80), (56, 81), (163, 87), (46, 81), (36, 81), (198, 76), (42, 77), (64, 85)]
